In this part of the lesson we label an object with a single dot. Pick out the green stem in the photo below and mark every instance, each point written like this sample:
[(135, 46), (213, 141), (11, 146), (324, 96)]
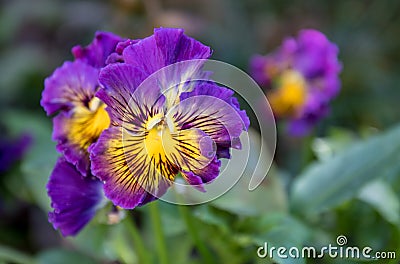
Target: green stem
[(158, 232), (143, 255), (306, 151), (192, 230), (14, 256)]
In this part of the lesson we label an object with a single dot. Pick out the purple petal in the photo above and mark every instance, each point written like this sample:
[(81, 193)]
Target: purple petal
[(121, 80), (126, 103), (331, 85), (194, 180), (197, 178), (72, 84), (315, 108), (149, 198), (288, 48), (212, 109), (299, 127), (210, 172), (96, 53), (314, 54), (117, 55), (74, 198), (165, 47), (258, 70), (225, 94), (72, 151), (223, 152)]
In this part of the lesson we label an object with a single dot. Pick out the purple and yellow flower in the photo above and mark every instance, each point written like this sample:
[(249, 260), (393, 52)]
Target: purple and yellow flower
[(157, 133), (301, 78), (70, 92), (141, 129), (81, 117)]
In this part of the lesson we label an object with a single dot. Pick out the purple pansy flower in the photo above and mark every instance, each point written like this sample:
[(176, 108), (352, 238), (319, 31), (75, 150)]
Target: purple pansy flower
[(157, 132), (70, 90), (301, 78)]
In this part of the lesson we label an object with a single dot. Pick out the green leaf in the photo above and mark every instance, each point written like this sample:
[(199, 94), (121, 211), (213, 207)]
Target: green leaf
[(93, 239), (171, 219), (62, 256), (216, 217), (182, 255), (278, 230), (337, 140), (11, 255), (383, 199), (269, 196), (330, 183), (118, 243)]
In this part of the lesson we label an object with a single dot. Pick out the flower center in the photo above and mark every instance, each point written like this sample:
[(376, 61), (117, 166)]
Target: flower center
[(87, 123), (289, 96), (158, 144), (160, 122)]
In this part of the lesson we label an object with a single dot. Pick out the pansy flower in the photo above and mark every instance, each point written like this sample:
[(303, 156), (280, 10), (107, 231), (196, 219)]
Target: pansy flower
[(162, 123), (300, 78), (70, 93)]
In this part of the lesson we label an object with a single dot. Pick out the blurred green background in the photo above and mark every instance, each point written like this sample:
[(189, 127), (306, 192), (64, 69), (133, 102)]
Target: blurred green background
[(342, 180)]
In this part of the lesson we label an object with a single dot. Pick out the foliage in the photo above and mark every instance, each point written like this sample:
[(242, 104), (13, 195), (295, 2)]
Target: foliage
[(342, 180)]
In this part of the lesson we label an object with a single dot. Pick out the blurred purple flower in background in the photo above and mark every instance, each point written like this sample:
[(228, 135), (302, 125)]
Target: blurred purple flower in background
[(12, 150), (300, 79)]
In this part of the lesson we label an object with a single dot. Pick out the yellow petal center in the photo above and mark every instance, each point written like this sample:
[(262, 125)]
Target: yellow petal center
[(167, 150), (288, 98), (87, 123)]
